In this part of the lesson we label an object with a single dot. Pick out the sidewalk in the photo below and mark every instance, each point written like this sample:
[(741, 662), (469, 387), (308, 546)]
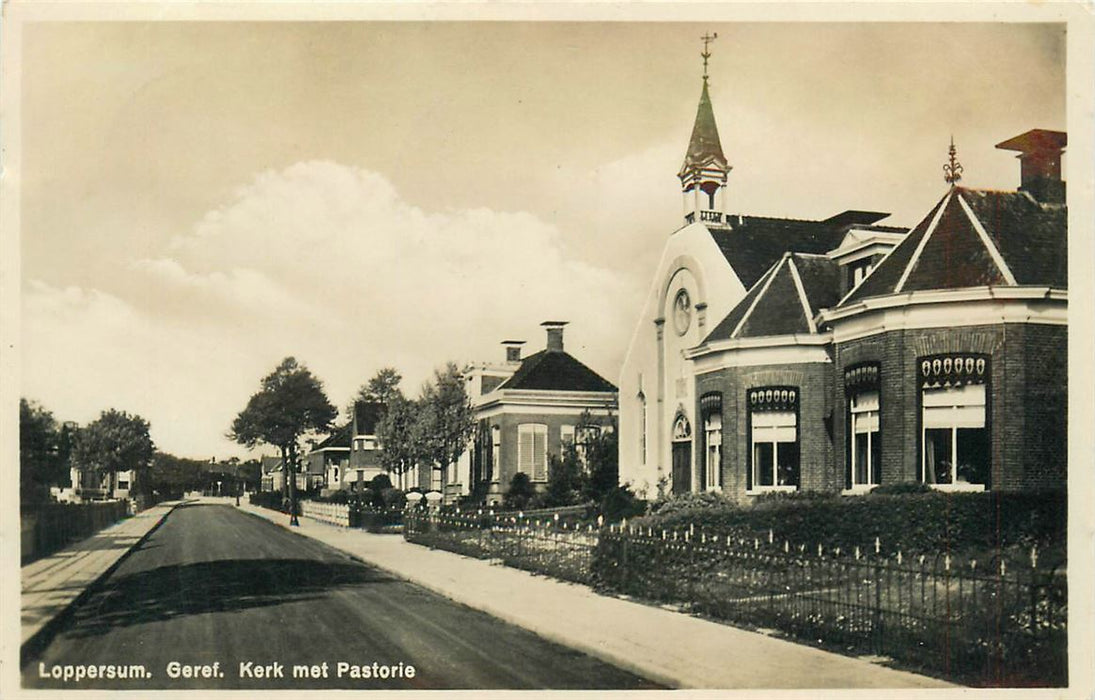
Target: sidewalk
[(668, 647), (51, 584)]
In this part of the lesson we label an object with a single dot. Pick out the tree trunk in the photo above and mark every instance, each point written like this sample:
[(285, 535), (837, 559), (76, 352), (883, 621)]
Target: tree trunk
[(293, 486)]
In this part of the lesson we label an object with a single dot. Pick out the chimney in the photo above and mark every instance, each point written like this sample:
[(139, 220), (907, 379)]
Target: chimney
[(554, 335), (1040, 163), (513, 350)]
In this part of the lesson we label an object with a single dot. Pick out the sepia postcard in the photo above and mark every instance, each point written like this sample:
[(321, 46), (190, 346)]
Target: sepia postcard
[(733, 349)]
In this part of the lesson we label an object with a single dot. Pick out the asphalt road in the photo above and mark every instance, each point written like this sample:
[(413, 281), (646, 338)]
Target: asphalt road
[(216, 586)]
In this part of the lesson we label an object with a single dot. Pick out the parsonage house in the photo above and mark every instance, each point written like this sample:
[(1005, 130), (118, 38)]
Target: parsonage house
[(527, 410), (837, 355)]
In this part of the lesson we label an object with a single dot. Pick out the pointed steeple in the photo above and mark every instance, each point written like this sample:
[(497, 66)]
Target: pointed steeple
[(704, 171), (704, 146)]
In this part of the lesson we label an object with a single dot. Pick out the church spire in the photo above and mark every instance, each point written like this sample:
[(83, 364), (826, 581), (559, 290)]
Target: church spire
[(705, 169)]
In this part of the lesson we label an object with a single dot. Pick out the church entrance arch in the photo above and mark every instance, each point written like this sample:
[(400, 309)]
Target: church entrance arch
[(682, 454)]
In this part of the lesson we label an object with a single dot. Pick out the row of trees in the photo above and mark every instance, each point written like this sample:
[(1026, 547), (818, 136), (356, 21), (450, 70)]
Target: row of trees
[(116, 441), (429, 431)]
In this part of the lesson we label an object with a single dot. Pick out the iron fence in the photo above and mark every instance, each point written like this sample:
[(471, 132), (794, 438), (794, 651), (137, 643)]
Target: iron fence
[(990, 622), (549, 546)]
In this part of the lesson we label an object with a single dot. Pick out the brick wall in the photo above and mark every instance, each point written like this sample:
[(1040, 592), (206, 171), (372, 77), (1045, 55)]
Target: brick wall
[(1026, 404), (814, 384)]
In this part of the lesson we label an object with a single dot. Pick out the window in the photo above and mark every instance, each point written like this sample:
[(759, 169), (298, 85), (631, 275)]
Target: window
[(496, 452), (773, 414), (566, 434), (585, 436), (860, 270), (861, 385), (712, 430), (955, 440), (864, 448), (532, 450)]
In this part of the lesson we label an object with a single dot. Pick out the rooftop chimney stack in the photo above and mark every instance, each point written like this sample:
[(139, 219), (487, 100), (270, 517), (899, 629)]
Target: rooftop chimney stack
[(513, 350), (554, 335), (1040, 163)]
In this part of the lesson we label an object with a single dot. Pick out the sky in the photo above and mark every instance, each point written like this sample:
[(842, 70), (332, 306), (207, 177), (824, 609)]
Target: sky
[(200, 200)]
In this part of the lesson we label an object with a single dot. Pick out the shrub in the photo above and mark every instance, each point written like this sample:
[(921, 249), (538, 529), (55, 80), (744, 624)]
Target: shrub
[(911, 522), (393, 499), (902, 487), (520, 492), (620, 503), (380, 482)]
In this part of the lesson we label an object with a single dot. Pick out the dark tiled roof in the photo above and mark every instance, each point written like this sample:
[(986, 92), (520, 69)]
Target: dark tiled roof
[(1031, 239), (774, 305), (270, 464), (753, 243), (366, 416), (555, 371), (820, 280), (339, 438), (704, 144)]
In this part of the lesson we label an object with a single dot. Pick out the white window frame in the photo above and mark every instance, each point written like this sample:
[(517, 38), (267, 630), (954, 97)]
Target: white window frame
[(712, 453), (773, 428), (951, 408), (863, 418), (530, 459), (496, 453)]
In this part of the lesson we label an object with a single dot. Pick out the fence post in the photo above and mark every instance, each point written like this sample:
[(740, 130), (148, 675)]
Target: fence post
[(876, 621)]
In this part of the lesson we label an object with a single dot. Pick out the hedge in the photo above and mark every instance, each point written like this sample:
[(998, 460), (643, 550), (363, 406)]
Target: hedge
[(912, 522)]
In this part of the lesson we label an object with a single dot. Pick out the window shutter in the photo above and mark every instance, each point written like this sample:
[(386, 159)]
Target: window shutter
[(539, 454), (524, 449)]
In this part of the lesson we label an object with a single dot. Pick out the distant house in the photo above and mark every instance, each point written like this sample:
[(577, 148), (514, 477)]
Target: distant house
[(327, 461), (273, 474), (526, 410), (89, 485)]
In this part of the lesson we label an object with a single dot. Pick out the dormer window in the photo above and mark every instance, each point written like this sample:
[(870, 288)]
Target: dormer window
[(859, 271)]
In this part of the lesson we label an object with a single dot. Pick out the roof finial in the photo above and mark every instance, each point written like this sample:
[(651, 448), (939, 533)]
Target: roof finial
[(707, 39), (952, 171)]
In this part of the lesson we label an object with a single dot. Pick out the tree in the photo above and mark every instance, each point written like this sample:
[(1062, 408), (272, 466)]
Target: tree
[(43, 448), (445, 420), (567, 479), (383, 387), (602, 460), (172, 476), (399, 451), (115, 442), (290, 404)]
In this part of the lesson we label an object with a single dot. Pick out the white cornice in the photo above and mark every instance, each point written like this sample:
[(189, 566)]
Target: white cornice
[(938, 296), (981, 306), (769, 350)]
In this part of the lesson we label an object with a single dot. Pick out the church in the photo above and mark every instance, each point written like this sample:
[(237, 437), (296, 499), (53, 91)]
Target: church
[(782, 355)]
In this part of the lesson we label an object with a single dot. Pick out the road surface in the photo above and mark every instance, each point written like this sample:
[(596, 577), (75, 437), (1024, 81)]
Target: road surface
[(216, 598)]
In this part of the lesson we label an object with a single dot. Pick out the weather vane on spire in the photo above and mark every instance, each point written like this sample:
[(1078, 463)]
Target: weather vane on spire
[(952, 171), (707, 39)]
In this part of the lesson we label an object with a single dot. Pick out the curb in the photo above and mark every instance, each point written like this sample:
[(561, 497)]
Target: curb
[(40, 639)]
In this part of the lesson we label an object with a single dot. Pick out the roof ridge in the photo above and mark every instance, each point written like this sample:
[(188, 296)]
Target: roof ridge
[(942, 207), (770, 275), (801, 289), (986, 240)]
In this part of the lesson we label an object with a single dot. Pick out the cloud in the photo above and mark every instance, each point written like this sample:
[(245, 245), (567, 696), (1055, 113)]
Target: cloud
[(327, 263)]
